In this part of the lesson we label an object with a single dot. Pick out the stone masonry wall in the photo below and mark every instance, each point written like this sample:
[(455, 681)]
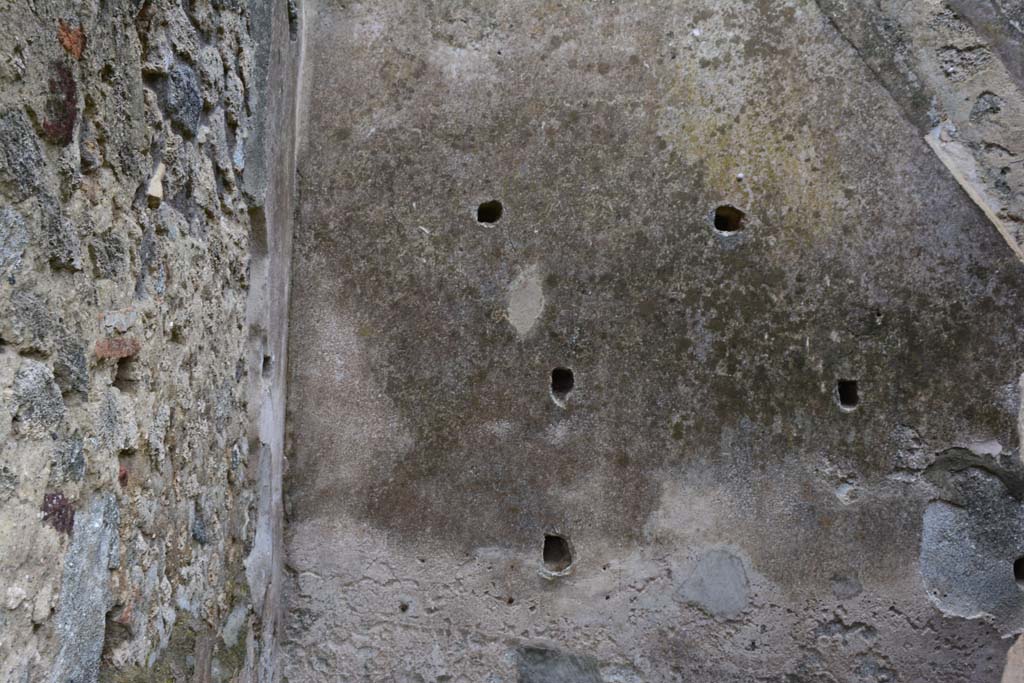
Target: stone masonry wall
[(129, 462)]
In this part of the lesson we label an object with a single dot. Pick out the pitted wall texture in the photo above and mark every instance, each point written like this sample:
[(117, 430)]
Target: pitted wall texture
[(633, 341), (734, 513), (131, 348)]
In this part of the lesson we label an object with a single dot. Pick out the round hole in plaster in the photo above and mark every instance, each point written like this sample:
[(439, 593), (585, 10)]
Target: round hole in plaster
[(562, 382), (729, 219), (557, 555), (1018, 571), (403, 607), (489, 212), (848, 394)]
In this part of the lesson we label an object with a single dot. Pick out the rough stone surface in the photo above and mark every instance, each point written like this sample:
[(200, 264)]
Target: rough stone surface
[(13, 238), (38, 406), (129, 496), (184, 99), (677, 281), (84, 594), (20, 158), (730, 519)]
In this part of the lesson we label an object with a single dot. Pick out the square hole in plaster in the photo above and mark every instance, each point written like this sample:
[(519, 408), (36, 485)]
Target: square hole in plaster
[(848, 394), (728, 219), (562, 383), (489, 212), (557, 554)]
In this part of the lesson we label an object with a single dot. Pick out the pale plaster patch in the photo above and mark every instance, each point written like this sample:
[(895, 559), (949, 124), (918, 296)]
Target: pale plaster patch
[(525, 300)]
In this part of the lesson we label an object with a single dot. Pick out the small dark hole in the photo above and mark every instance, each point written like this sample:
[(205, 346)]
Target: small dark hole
[(511, 601), (557, 553), (489, 212), (562, 382), (403, 607), (1018, 571), (848, 395), (293, 20), (728, 219), (268, 364), (126, 375)]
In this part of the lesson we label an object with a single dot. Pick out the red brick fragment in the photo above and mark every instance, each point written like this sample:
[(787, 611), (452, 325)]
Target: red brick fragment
[(117, 347), (71, 39), (61, 105)]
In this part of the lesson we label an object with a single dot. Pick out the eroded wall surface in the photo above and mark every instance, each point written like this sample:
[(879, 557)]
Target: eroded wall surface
[(729, 518), (137, 337)]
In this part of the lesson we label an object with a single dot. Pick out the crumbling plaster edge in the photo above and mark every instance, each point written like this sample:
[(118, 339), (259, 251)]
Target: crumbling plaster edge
[(267, 316), (961, 164)]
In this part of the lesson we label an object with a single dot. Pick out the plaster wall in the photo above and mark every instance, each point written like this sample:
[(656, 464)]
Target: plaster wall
[(729, 519)]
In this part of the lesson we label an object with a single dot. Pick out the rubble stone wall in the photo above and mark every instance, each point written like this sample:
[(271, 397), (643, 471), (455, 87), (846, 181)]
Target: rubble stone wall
[(134, 348)]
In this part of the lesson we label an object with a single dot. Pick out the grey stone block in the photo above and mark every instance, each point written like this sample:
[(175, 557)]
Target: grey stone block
[(20, 158), (85, 592), (184, 99)]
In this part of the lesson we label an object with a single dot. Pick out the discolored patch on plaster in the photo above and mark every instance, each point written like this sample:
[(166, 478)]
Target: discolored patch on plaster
[(117, 347), (547, 665), (969, 543), (718, 584), (525, 300), (845, 586)]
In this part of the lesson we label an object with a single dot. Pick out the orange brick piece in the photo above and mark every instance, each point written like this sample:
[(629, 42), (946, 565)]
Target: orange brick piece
[(71, 39), (117, 347)]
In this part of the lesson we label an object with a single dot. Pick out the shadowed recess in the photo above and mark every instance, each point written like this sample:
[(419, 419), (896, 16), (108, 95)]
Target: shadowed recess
[(562, 382), (729, 219), (557, 553), (489, 212), (849, 396)]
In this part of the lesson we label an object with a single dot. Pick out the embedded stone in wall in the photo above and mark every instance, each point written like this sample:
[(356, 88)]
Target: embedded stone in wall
[(85, 591), (13, 238)]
